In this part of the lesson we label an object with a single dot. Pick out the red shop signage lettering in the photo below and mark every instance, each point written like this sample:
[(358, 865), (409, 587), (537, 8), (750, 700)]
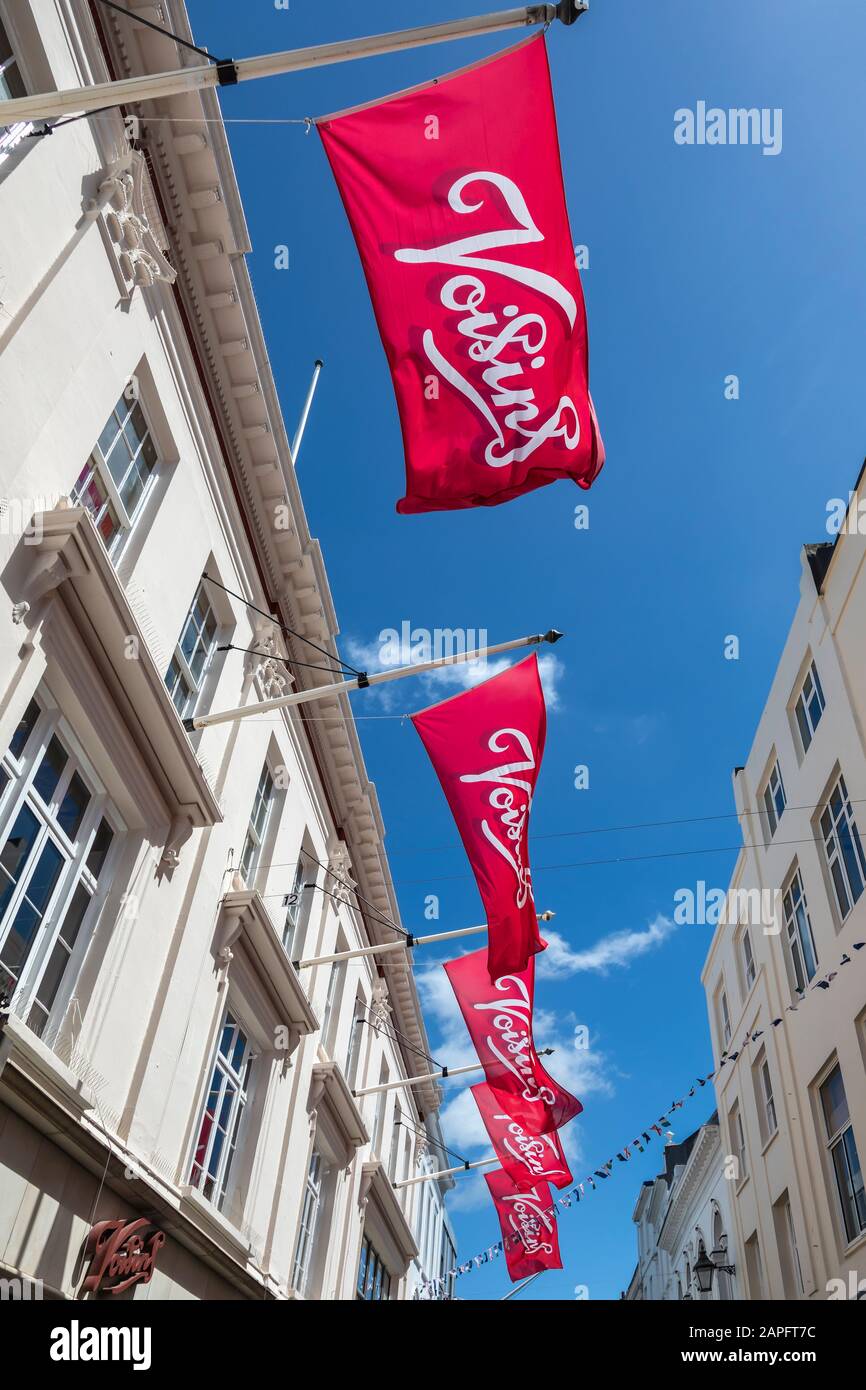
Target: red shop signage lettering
[(121, 1253)]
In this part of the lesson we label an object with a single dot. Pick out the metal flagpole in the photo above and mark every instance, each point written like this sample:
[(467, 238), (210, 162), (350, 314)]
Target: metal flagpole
[(521, 1287), (445, 1172), (302, 423), (75, 100), (427, 1076), (361, 682), (406, 943)]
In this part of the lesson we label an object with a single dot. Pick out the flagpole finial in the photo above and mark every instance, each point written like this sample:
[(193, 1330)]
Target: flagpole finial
[(553, 635), (547, 916)]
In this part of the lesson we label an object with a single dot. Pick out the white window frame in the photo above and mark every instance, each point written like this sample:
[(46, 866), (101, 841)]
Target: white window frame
[(764, 1096), (774, 791), (310, 1210), (229, 1075), (725, 1018), (97, 464), (194, 686), (257, 830), (810, 693), (353, 1052), (749, 967), (795, 909), (298, 904), (836, 1140), (381, 1105), (11, 136), (380, 1285), (738, 1138), (829, 823), (19, 794), (795, 1251), (333, 1001)]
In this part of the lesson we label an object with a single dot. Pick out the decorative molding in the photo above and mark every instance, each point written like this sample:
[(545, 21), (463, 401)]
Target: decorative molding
[(245, 924), (71, 560), (133, 226)]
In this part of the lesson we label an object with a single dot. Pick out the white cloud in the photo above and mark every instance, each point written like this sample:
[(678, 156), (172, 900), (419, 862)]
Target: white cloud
[(618, 949), (583, 1071), (445, 680)]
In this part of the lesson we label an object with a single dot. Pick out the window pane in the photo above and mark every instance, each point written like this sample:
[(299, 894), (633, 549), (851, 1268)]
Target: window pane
[(50, 769), (835, 1102), (17, 945), (73, 806), (805, 934), (856, 1178), (15, 853), (841, 890), (846, 1195), (100, 847), (227, 1036), (852, 859), (110, 432), (25, 729), (59, 958), (803, 726)]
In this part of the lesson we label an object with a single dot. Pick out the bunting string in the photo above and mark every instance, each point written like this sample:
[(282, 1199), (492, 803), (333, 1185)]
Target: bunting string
[(437, 1288)]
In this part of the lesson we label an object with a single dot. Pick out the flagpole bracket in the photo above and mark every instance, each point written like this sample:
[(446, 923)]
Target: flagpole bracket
[(569, 10), (227, 73), (363, 680)]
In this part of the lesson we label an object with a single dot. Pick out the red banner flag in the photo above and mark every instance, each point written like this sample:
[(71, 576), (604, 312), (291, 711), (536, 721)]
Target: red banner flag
[(455, 197), (525, 1156), (499, 1018), (527, 1218), (486, 745)]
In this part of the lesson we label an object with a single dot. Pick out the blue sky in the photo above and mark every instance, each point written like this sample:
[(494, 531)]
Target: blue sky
[(704, 261)]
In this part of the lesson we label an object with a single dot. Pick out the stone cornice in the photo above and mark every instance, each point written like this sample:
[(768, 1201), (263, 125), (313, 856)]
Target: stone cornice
[(208, 239)]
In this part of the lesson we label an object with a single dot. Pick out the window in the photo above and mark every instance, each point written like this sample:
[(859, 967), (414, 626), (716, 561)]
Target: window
[(193, 654), (11, 85), (789, 1255), (223, 1113), (54, 841), (725, 1018), (774, 799), (754, 1267), (809, 707), (843, 1154), (842, 848), (738, 1138), (309, 1222), (261, 813), (299, 904), (374, 1281), (355, 1036), (748, 960), (381, 1102), (331, 1013), (798, 927), (396, 1143), (764, 1096), (113, 482)]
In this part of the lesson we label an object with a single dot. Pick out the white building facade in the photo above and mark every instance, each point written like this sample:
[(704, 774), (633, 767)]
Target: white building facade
[(785, 975), (162, 1060), (682, 1217)]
